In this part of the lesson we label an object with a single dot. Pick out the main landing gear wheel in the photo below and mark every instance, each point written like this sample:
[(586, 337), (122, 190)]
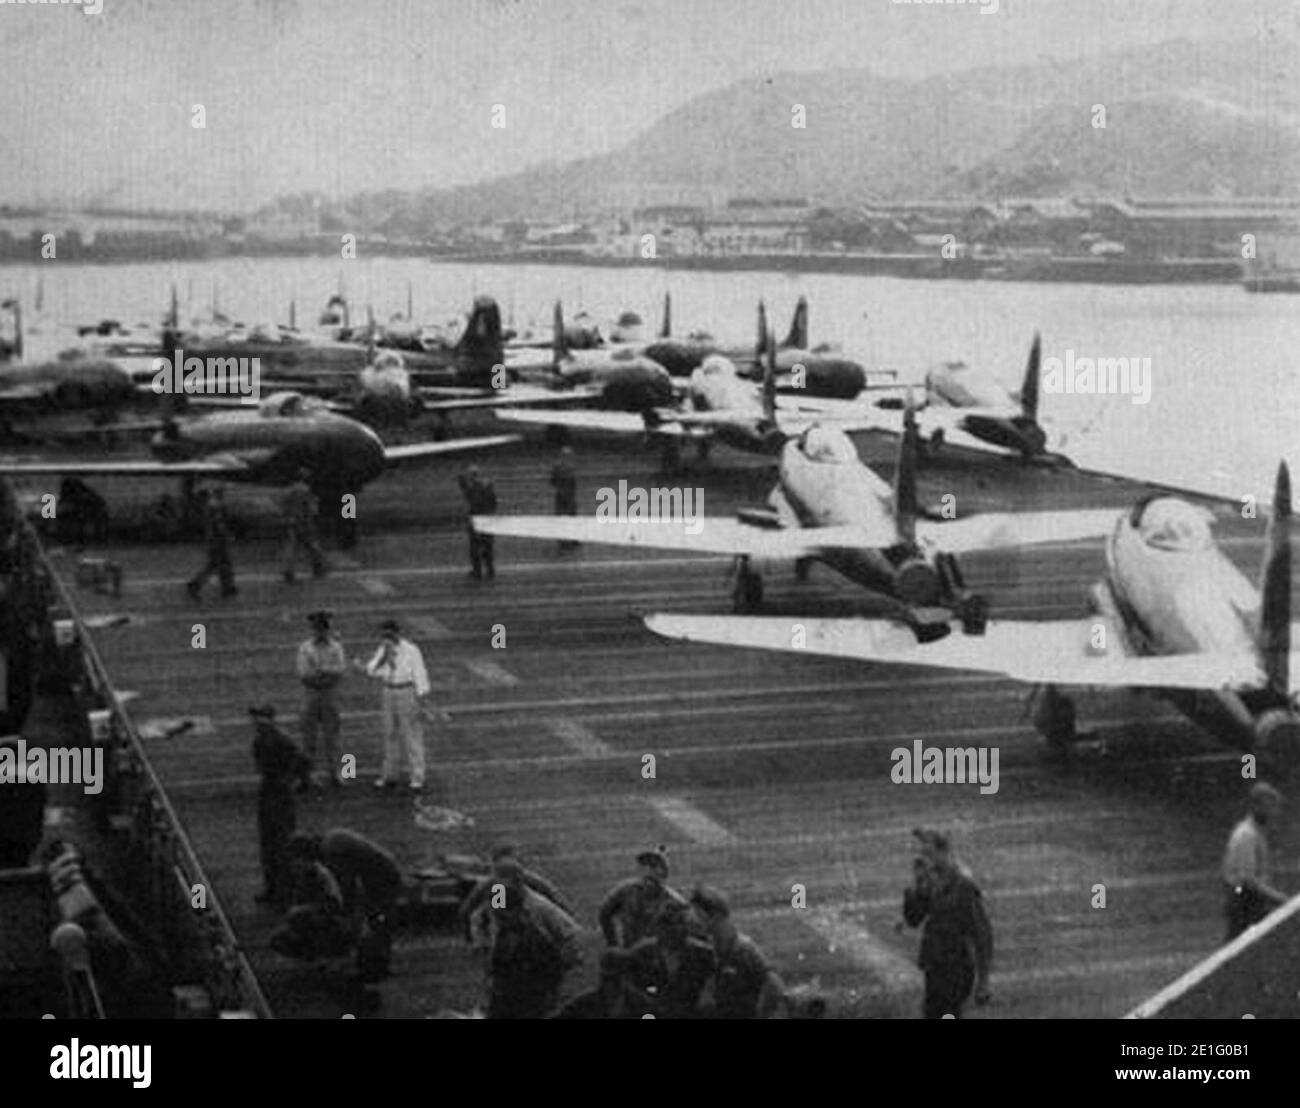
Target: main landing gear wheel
[(1054, 719), (747, 594)]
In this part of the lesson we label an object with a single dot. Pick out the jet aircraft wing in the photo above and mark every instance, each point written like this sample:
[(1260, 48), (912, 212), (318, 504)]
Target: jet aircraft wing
[(618, 422), (407, 452), (993, 530), (226, 465), (439, 400), (1051, 652), (706, 536)]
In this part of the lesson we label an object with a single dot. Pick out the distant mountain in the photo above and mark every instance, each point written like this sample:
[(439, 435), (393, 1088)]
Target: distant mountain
[(1181, 118)]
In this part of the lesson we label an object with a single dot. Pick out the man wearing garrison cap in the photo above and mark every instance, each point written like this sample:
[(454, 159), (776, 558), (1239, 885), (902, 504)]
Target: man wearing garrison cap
[(321, 665)]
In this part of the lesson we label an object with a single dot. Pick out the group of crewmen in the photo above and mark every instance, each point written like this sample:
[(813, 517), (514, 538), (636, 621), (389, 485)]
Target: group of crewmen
[(298, 510), (667, 955)]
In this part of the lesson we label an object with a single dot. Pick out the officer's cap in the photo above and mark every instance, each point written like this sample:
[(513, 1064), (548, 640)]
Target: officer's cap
[(390, 627)]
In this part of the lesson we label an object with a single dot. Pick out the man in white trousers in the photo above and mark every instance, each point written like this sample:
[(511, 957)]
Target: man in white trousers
[(399, 665)]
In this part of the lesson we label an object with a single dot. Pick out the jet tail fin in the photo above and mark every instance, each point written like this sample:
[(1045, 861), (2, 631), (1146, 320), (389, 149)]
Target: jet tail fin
[(410, 303), (760, 341), (906, 504), (769, 380), (559, 345), (482, 343), (797, 339), (1275, 589), (1029, 389), (666, 328), (293, 315)]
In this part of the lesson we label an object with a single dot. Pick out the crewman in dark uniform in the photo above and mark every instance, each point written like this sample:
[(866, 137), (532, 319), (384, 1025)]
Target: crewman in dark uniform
[(745, 986), (22, 814), (300, 520), (565, 480), (216, 533), (533, 945), (370, 880), (279, 764), (957, 944), (666, 972), (481, 498), (631, 910)]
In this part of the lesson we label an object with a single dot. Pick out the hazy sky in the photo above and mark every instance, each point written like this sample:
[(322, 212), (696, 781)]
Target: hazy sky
[(343, 95)]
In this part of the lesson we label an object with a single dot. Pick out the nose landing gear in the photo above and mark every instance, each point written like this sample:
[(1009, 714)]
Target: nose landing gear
[(747, 593)]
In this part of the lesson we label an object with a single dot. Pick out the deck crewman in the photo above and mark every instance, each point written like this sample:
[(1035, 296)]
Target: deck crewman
[(216, 534), (1247, 867), (300, 509), (279, 762), (399, 665), (321, 665), (565, 480), (481, 498)]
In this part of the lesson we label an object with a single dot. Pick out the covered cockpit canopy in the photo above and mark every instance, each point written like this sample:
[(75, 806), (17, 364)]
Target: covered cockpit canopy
[(827, 445), (289, 405), (1166, 523), (715, 365), (962, 386)]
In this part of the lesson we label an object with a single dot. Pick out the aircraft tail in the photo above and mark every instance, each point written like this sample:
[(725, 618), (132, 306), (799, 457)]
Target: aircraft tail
[(1029, 389), (371, 330), (410, 303), (174, 312), (1275, 589), (906, 504), (797, 339), (482, 343), (15, 350), (760, 342), (293, 315), (769, 380), (559, 344), (666, 328)]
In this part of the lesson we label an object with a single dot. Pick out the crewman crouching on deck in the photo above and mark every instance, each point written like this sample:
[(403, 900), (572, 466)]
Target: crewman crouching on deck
[(745, 986), (532, 945), (370, 881)]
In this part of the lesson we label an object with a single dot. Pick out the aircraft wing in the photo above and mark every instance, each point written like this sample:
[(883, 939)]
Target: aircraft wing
[(20, 394), (995, 530), (706, 536), (438, 400), (395, 455), (1054, 652), (617, 422), (222, 466)]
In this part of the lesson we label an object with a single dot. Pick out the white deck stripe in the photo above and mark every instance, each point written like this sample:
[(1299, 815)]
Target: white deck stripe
[(492, 672), (427, 627), (579, 738), (691, 821)]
